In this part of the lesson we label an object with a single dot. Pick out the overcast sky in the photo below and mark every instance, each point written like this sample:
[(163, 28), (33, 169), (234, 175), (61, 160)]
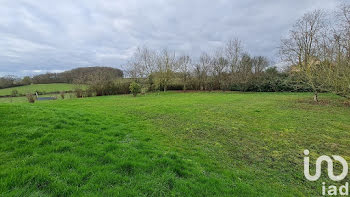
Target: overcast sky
[(39, 36)]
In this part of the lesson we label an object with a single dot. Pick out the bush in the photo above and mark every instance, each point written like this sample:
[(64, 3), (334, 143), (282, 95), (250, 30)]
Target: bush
[(78, 93), (30, 98), (14, 93), (175, 86), (102, 88), (272, 81), (144, 90), (135, 88), (62, 94), (122, 87), (89, 93)]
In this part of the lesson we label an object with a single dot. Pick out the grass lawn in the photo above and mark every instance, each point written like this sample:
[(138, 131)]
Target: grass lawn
[(54, 87), (178, 144)]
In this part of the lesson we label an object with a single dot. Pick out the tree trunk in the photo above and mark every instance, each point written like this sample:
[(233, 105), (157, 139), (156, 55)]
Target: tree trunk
[(316, 97)]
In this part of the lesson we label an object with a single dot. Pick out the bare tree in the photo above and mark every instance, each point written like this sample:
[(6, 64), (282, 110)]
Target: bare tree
[(303, 40), (203, 69), (245, 69), (220, 65), (134, 68), (147, 57), (233, 52), (259, 63), (343, 30), (142, 63), (185, 65), (166, 65), (338, 77), (303, 45)]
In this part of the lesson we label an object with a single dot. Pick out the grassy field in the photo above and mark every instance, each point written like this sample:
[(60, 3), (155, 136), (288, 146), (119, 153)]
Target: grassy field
[(54, 87), (178, 144)]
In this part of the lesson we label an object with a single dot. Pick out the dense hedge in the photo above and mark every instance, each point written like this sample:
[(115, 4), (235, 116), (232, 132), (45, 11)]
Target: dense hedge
[(269, 81)]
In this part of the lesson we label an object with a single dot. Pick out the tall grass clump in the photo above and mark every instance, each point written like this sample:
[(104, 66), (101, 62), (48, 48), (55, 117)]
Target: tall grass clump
[(62, 94), (79, 92), (30, 97)]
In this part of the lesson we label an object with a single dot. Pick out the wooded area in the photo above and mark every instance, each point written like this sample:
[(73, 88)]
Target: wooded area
[(79, 75)]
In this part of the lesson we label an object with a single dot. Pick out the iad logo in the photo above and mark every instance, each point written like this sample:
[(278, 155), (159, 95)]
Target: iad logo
[(330, 167), (331, 190)]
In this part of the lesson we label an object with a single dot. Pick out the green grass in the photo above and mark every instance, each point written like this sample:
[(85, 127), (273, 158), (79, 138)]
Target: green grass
[(169, 144), (48, 88)]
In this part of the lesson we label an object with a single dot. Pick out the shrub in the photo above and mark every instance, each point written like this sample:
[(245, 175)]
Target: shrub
[(144, 90), (89, 93), (122, 86), (62, 94), (78, 93), (30, 98), (14, 93), (175, 86), (102, 88), (135, 88)]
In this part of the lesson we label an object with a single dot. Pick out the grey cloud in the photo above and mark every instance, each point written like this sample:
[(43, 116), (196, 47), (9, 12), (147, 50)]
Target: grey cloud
[(41, 36)]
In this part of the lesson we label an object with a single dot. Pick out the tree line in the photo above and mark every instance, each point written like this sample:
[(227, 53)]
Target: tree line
[(83, 75), (13, 81), (229, 67)]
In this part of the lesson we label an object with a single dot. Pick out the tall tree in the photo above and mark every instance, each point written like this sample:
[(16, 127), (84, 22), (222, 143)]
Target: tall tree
[(339, 69), (233, 52), (185, 65), (245, 69), (220, 64), (202, 70), (303, 45), (259, 63), (142, 63), (166, 65)]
